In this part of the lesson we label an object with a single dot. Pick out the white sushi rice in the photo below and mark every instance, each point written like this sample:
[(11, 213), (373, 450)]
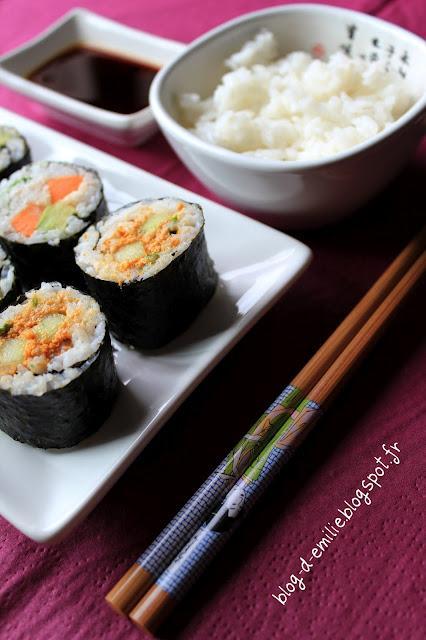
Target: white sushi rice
[(29, 184), (87, 337), (14, 149), (295, 107), (93, 261), (7, 274)]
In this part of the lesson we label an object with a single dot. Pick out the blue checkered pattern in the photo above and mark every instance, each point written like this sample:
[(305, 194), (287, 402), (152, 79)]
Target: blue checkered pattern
[(198, 553), (198, 508), (200, 550), (280, 399), (191, 562)]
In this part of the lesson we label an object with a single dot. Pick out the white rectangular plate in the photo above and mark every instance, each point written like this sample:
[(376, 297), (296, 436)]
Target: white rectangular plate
[(45, 493)]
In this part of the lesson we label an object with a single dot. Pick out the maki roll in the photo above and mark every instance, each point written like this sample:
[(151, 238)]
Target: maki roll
[(44, 207), (147, 264), (57, 376), (9, 288), (14, 151)]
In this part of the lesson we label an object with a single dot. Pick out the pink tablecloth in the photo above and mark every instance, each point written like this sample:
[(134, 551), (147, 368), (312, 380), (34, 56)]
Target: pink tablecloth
[(368, 583)]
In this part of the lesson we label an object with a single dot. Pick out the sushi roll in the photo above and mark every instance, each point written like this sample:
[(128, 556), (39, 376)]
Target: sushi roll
[(9, 288), (44, 208), (147, 265), (14, 151), (57, 376)]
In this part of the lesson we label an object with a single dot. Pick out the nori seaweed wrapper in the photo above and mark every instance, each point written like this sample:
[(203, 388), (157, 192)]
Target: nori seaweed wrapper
[(15, 166), (149, 313), (63, 417), (43, 262)]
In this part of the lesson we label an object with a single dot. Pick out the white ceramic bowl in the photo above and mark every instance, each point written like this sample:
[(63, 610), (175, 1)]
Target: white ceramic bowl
[(84, 27), (299, 193)]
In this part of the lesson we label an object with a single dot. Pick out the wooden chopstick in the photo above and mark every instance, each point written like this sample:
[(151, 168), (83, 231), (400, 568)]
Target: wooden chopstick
[(181, 574), (141, 575), (331, 348)]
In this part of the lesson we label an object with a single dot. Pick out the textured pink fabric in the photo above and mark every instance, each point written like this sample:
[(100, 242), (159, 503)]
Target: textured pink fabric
[(368, 583)]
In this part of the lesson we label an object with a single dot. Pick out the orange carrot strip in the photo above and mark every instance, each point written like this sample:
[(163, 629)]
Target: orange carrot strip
[(62, 186), (26, 221)]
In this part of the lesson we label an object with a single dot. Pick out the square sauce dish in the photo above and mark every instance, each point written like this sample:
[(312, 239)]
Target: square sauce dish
[(83, 46)]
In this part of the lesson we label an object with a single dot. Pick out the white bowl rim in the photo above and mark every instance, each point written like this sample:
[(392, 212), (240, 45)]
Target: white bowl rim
[(250, 162)]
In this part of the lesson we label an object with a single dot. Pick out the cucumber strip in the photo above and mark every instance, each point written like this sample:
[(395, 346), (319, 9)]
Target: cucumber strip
[(49, 325), (132, 251), (154, 222), (12, 352)]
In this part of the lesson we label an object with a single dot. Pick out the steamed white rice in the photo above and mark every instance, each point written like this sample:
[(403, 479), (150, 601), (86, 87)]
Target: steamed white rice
[(14, 149), (295, 107), (91, 259), (7, 274), (29, 184), (86, 336)]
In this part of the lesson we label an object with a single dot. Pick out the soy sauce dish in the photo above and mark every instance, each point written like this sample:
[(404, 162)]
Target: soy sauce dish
[(93, 73), (299, 113)]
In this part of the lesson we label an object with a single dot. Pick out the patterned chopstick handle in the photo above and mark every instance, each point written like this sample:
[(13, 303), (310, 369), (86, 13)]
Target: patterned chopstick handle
[(199, 507), (212, 535)]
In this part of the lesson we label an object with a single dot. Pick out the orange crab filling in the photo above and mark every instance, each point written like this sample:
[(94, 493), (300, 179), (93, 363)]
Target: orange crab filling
[(37, 344), (154, 242)]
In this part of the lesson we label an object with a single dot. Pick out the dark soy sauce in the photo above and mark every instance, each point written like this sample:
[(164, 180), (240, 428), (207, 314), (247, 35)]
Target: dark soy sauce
[(99, 78)]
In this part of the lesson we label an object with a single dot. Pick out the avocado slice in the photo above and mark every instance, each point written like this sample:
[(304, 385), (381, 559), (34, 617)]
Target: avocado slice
[(152, 257), (4, 326), (132, 251), (154, 221), (49, 325), (5, 136), (12, 352), (55, 216), (18, 181)]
